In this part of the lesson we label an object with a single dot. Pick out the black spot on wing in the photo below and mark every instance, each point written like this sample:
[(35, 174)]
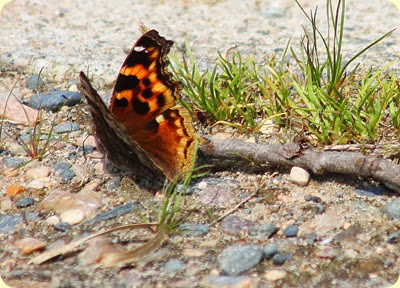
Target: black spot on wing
[(188, 143), (146, 82), (160, 100), (140, 107), (126, 82), (146, 41), (147, 93), (153, 125), (138, 58), (121, 102), (167, 114)]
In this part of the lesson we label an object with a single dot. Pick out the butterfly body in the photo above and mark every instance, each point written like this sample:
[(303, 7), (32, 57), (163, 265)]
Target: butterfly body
[(144, 126)]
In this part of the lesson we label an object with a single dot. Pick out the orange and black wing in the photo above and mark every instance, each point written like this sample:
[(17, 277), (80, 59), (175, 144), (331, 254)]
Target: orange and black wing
[(144, 87), (144, 100), (111, 135)]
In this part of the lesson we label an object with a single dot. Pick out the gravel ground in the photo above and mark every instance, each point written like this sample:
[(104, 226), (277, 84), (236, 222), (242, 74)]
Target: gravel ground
[(334, 232)]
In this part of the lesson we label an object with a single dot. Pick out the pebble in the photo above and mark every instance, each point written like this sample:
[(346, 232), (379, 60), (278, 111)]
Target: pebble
[(8, 223), (67, 175), (35, 184), (87, 149), (16, 111), (66, 128), (60, 201), (38, 172), (29, 245), (234, 225), (64, 169), (25, 202), (312, 198), (72, 217), (54, 100), (31, 216), (61, 166), (291, 231), (62, 227), (274, 275), (10, 172), (371, 191), (310, 238), (28, 135), (264, 230), (193, 229), (34, 82), (281, 258), (95, 249), (174, 266), (14, 189), (215, 281), (270, 250), (319, 208), (86, 140), (392, 209), (99, 168), (6, 205), (53, 220), (113, 184), (393, 237), (299, 176), (238, 259), (114, 212), (13, 162)]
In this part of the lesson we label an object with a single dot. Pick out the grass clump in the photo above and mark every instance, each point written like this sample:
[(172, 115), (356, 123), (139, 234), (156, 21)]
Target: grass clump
[(320, 97)]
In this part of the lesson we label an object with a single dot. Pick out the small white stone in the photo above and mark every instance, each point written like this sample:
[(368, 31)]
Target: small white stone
[(86, 140), (99, 168), (73, 88), (299, 176), (6, 205), (202, 185), (37, 173), (274, 275), (73, 217), (53, 220), (35, 184)]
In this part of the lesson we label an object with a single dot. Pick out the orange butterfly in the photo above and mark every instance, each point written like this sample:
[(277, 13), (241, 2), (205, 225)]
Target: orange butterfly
[(144, 126)]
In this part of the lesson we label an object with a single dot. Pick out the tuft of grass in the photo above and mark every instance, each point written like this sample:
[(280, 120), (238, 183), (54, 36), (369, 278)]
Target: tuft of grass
[(38, 143), (225, 93), (320, 97)]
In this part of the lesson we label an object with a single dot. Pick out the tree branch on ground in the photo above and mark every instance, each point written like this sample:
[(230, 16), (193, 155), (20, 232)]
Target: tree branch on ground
[(348, 163)]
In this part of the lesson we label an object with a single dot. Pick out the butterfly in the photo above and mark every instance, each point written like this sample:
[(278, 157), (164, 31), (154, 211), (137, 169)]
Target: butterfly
[(144, 127)]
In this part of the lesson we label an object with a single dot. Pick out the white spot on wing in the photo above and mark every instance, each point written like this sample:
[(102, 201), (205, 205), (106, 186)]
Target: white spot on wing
[(160, 118), (140, 49)]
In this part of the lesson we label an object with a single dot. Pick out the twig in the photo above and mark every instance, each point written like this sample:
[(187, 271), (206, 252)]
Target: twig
[(349, 163), (73, 246)]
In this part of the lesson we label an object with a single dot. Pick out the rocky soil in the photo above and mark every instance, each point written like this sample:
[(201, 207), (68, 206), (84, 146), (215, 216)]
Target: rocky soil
[(330, 231)]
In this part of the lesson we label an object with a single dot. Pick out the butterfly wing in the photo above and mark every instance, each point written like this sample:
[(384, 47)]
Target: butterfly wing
[(144, 88), (112, 137), (144, 100), (169, 141)]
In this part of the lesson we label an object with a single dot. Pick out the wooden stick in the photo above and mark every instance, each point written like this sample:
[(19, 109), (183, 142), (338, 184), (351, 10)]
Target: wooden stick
[(349, 163)]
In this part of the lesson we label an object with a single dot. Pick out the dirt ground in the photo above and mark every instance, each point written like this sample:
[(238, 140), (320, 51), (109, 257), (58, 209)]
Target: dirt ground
[(352, 246)]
